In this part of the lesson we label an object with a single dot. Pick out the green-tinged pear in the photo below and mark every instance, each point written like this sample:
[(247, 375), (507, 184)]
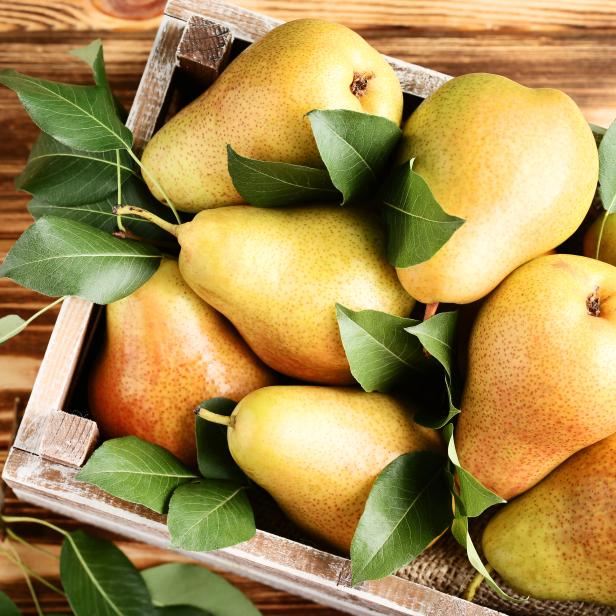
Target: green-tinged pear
[(165, 351), (277, 275), (519, 165), (541, 380), (558, 541), (259, 104), (318, 450)]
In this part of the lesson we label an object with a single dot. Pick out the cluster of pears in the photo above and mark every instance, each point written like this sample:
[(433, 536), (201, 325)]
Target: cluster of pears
[(250, 304)]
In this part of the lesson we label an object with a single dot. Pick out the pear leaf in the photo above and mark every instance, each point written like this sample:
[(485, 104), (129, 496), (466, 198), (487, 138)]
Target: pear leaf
[(459, 529), (417, 225), (379, 351), (60, 174), (99, 579), (409, 506), (7, 607), (81, 117), (136, 471), (210, 514), (180, 610), (56, 256), (192, 585), (215, 460), (100, 214), (437, 334), (355, 148), (11, 325), (474, 497), (272, 184), (92, 55), (607, 169)]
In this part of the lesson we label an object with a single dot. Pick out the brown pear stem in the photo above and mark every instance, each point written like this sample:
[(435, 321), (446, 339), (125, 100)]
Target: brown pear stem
[(223, 420), (430, 310), (125, 210)]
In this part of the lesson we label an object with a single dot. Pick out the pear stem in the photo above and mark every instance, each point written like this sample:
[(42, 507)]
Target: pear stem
[(223, 420), (430, 310), (471, 590), (157, 220)]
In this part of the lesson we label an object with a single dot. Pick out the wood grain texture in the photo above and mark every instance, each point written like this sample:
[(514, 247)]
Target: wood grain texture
[(570, 44)]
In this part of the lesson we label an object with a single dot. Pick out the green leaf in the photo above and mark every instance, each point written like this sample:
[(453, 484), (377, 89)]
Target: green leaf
[(56, 256), (379, 350), (60, 174), (81, 117), (99, 579), (136, 471), (355, 148), (92, 55), (11, 325), (409, 506), (607, 169), (101, 216), (180, 610), (437, 334), (474, 497), (213, 455), (417, 225), (7, 607), (210, 514), (272, 184), (196, 586), (459, 529)]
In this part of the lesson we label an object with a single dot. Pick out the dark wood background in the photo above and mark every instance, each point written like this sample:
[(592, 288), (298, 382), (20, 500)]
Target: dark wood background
[(569, 44)]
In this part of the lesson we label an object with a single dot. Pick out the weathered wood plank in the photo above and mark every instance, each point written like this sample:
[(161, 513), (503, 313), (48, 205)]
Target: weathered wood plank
[(204, 49), (68, 439), (266, 558)]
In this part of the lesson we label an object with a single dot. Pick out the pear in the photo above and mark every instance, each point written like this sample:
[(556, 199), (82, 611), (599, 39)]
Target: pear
[(165, 351), (519, 165), (558, 541), (318, 450), (607, 250), (259, 104), (541, 381), (277, 274)]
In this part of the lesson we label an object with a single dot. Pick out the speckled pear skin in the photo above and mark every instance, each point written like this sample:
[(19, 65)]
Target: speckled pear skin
[(558, 541), (541, 381), (481, 143), (608, 241), (165, 351), (318, 450), (258, 106), (277, 274)]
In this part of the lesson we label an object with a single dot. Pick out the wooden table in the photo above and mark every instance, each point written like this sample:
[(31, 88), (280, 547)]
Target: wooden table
[(569, 44)]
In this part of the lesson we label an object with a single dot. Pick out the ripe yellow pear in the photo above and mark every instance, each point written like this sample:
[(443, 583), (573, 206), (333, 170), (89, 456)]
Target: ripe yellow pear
[(259, 104), (520, 165), (277, 274), (541, 381), (607, 250), (558, 541), (318, 450), (165, 351)]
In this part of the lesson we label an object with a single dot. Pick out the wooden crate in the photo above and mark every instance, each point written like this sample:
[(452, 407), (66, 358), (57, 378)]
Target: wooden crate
[(51, 445)]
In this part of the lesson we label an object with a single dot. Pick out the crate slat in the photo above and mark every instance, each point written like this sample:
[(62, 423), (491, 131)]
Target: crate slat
[(267, 558)]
